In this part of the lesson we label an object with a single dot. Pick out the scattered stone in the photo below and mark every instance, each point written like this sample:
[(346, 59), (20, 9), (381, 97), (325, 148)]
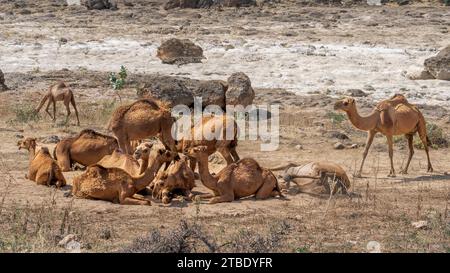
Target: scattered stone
[(356, 93), (420, 224), (439, 65), (339, 146), (240, 91), (100, 4), (373, 247), (19, 136), (197, 4), (354, 146), (168, 89), (338, 135), (51, 139), (63, 41), (402, 2), (374, 2), (176, 51), (70, 243), (3, 86), (212, 92), (369, 87), (299, 147)]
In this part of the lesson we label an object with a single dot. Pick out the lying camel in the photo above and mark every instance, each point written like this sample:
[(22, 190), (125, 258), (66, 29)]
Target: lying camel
[(391, 117), (241, 179), (87, 148), (202, 134), (178, 178), (128, 163), (59, 92), (116, 185), (141, 119), (42, 168), (315, 177)]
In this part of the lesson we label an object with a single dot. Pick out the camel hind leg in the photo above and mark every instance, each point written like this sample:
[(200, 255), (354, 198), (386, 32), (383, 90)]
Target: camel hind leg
[(72, 101), (67, 105), (269, 188), (409, 137), (422, 130), (391, 154)]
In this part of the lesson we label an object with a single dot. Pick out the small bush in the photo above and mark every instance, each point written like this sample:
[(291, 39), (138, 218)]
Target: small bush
[(24, 113), (118, 81), (336, 118), (436, 137)]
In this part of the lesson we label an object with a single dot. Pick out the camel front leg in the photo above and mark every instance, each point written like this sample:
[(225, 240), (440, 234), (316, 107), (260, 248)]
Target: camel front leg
[(409, 137), (391, 155), (124, 199), (54, 110), (222, 198), (48, 107), (66, 103), (370, 136)]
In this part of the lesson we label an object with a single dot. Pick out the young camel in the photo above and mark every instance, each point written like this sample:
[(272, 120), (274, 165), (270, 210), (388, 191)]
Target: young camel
[(241, 179), (178, 178), (391, 117), (86, 148), (314, 177), (116, 185), (211, 132), (59, 92), (141, 119), (128, 163), (42, 168)]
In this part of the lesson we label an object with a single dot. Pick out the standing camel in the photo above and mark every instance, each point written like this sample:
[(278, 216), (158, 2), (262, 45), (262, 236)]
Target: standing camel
[(142, 119), (394, 116), (59, 92)]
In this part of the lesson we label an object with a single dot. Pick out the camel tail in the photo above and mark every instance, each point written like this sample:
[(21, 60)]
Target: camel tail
[(44, 99)]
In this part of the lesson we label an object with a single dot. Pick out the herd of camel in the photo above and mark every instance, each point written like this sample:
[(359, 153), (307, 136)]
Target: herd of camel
[(126, 168)]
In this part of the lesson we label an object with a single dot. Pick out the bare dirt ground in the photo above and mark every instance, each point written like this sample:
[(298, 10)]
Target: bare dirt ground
[(300, 57)]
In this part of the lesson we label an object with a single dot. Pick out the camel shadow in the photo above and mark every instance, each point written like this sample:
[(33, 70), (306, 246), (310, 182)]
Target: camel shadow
[(425, 178)]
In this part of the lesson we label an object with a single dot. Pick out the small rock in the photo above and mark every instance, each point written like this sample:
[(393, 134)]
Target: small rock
[(19, 136), (63, 41), (402, 2), (338, 135), (299, 147), (356, 93), (176, 51), (70, 243), (51, 139), (354, 146), (420, 224), (373, 247), (374, 2), (339, 146)]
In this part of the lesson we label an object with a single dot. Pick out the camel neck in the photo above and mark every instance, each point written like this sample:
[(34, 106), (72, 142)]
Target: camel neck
[(144, 165), (208, 180), (143, 180), (363, 123)]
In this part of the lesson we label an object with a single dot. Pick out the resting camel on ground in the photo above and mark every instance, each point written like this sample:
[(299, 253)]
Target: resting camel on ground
[(141, 119), (202, 134), (391, 117), (315, 177), (241, 179), (177, 179), (87, 148), (129, 163), (116, 185), (42, 168), (59, 92)]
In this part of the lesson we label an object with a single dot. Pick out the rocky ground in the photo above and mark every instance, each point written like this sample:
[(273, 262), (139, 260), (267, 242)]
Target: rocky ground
[(301, 57)]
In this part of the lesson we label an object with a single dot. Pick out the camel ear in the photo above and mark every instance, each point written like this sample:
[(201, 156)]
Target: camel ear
[(148, 145), (351, 100)]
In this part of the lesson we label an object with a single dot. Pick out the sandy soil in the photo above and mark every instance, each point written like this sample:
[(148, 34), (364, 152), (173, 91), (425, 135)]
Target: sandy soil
[(300, 57)]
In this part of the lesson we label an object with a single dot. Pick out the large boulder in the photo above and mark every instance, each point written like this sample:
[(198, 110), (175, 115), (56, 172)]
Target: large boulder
[(3, 86), (439, 65), (176, 51), (100, 4), (240, 91), (212, 92), (197, 4), (168, 89)]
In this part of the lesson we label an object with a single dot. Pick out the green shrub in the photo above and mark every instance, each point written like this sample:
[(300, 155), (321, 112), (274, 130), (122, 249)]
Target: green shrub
[(24, 113), (436, 137), (336, 118), (118, 81)]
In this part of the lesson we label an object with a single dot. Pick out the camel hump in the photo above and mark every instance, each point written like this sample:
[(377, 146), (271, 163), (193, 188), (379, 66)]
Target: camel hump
[(92, 134), (59, 85)]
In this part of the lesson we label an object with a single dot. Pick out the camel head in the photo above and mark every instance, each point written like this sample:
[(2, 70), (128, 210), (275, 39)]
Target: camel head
[(195, 152), (143, 151), (344, 104), (27, 143), (165, 155)]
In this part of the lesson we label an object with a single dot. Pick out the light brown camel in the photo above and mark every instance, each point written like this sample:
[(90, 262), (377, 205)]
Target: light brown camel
[(59, 92), (316, 177), (178, 179), (241, 179), (141, 119), (391, 117), (129, 163), (87, 148), (202, 134), (42, 168), (116, 185)]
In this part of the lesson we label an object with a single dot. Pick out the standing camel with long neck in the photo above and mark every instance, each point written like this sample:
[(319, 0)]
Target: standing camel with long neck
[(391, 117), (59, 92)]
